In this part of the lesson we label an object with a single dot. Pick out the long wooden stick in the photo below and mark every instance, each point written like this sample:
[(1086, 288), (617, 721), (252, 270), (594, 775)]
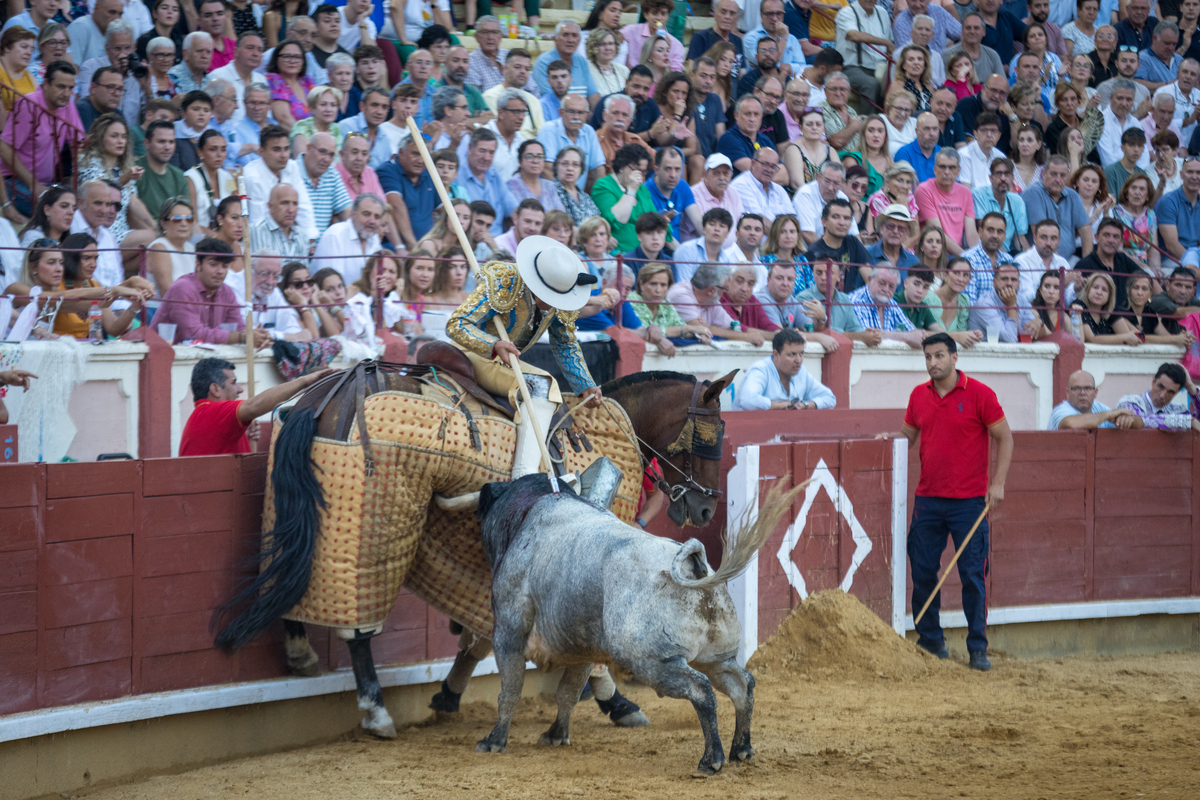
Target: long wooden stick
[(953, 561), (249, 288), (447, 206), (515, 363)]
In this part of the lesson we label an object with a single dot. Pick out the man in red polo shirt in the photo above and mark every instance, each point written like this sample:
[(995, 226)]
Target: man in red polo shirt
[(954, 417), (219, 419)]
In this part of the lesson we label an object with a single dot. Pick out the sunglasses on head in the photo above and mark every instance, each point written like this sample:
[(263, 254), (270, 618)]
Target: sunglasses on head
[(44, 242), (1128, 48)]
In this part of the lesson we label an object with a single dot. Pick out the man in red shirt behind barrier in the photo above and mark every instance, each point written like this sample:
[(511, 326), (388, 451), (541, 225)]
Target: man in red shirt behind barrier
[(953, 416), (219, 419)]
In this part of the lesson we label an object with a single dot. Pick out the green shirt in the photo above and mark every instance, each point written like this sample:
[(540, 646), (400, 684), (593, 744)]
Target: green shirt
[(959, 323), (665, 317), (137, 137), (606, 193), (843, 320), (1115, 176), (921, 317), (156, 189)]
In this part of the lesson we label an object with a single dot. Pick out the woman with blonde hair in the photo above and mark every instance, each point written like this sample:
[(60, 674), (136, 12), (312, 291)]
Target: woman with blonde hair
[(558, 225), (604, 62), (593, 239), (875, 154), (442, 235), (725, 56), (326, 103), (1096, 302), (172, 255), (913, 75), (656, 57), (449, 283), (106, 154), (54, 44), (43, 267), (961, 77), (899, 119), (1068, 100), (649, 302)]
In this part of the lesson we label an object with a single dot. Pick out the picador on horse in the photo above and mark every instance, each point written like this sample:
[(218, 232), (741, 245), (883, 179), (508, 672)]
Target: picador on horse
[(375, 473)]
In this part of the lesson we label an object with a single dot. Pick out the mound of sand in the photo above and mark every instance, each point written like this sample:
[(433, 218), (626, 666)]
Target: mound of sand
[(832, 633)]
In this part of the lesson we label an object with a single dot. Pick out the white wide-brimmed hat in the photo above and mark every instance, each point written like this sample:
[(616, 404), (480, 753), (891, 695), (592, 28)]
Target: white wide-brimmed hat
[(554, 273)]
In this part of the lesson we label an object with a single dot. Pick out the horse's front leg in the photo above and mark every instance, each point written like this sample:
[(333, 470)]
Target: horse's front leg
[(301, 658), (370, 694), (472, 648)]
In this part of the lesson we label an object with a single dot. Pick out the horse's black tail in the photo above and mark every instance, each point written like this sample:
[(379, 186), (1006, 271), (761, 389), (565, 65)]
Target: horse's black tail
[(283, 580)]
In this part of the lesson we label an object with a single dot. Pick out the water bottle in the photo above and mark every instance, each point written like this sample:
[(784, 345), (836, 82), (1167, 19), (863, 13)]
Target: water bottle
[(808, 327), (95, 323), (1077, 325), (512, 23)]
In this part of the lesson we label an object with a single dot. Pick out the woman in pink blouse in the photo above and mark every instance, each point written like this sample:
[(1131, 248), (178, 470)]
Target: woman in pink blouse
[(289, 84)]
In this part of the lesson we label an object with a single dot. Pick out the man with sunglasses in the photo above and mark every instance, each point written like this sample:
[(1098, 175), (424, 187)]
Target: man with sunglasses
[(1127, 61), (1137, 29)]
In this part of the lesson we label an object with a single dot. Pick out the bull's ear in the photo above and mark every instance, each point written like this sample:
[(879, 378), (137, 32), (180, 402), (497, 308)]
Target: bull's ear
[(716, 387)]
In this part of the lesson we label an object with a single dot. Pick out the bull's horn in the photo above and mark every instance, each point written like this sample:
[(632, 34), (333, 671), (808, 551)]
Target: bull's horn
[(463, 502)]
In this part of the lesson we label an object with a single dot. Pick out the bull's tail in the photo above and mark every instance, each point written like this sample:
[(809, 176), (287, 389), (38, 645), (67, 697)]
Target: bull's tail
[(287, 558), (749, 539)]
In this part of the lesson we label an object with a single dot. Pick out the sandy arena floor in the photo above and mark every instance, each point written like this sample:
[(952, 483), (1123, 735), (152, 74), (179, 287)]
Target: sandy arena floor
[(844, 709)]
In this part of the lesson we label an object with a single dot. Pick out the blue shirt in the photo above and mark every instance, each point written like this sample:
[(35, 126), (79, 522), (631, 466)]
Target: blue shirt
[(1175, 209), (553, 136), (381, 151), (905, 261), (636, 258), (491, 189), (681, 197), (763, 385), (911, 153), (581, 75), (1067, 212), (709, 114), (792, 54), (736, 145), (983, 274), (1017, 221), (796, 18), (1152, 69), (550, 105), (1001, 37), (425, 105), (237, 132), (702, 42), (894, 319), (420, 198), (1126, 35), (1065, 409), (629, 318)]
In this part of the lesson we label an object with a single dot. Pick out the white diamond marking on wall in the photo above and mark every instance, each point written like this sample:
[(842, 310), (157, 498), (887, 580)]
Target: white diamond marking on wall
[(822, 478)]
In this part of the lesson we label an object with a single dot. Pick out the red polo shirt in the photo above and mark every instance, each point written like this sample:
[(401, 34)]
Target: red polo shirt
[(954, 437), (214, 429)]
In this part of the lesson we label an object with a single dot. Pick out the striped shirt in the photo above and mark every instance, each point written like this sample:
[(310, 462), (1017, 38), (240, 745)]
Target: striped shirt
[(894, 318), (267, 235), (982, 271), (328, 198), (483, 74)]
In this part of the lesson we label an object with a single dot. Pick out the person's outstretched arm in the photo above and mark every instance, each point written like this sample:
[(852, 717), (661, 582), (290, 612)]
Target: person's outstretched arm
[(264, 402)]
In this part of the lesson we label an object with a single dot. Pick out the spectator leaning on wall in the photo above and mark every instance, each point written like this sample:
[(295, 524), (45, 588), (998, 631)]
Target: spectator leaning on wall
[(1081, 411), (219, 419), (780, 381), (1155, 409)]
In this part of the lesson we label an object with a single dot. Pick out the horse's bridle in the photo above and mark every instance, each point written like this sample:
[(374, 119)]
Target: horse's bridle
[(700, 439)]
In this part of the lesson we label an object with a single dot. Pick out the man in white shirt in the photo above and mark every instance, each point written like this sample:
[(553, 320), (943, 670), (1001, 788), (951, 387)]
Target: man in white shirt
[(780, 382), (87, 32), (1118, 118), (274, 167), (345, 246), (864, 38), (95, 214), (357, 27), (709, 248), (976, 158), (757, 189), (810, 200), (1041, 257), (247, 57), (274, 316), (1186, 96)]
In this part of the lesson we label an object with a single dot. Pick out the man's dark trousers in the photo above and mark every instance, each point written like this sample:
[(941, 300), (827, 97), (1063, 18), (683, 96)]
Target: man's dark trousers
[(932, 519)]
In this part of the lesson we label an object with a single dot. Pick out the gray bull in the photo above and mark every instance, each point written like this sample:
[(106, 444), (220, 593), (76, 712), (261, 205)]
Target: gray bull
[(573, 585)]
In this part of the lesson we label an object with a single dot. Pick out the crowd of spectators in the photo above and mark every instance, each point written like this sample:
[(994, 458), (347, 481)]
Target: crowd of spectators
[(937, 167)]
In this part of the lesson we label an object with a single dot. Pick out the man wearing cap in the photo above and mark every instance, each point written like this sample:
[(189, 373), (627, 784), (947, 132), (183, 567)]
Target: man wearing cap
[(542, 292), (714, 191), (893, 226)]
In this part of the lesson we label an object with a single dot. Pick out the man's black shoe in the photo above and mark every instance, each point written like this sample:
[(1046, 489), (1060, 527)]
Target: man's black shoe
[(940, 650), (979, 661)]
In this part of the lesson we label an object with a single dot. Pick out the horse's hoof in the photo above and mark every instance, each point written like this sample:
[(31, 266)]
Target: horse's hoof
[(488, 746), (554, 740), (623, 712), (742, 753), (445, 701), (635, 720), (711, 768), (311, 670), (385, 731)]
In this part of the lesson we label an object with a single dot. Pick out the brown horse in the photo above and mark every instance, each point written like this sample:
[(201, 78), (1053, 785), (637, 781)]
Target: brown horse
[(660, 406)]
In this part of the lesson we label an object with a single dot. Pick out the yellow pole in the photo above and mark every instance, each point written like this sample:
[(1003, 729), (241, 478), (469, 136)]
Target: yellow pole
[(451, 217), (953, 561)]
